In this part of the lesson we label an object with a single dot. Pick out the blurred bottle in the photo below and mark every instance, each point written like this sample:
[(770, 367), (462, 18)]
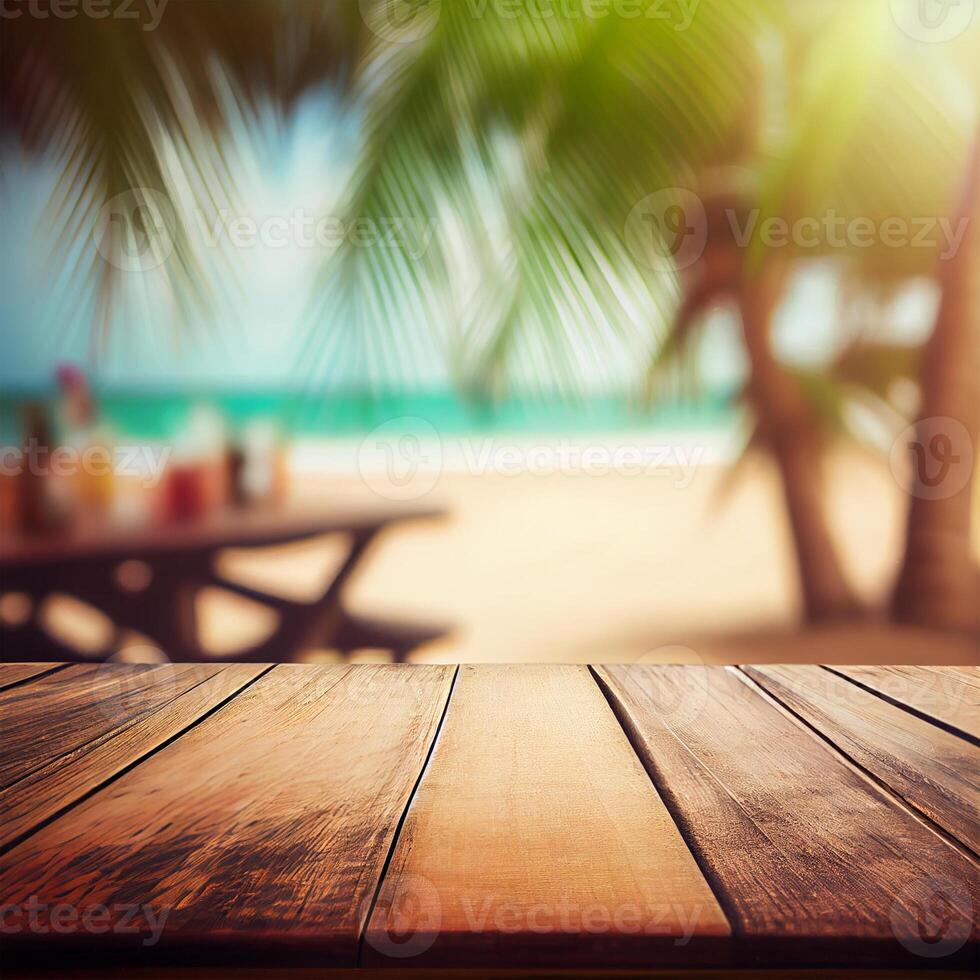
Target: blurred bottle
[(92, 484), (261, 472), (184, 495), (37, 506), (77, 406), (198, 481), (10, 493), (236, 475)]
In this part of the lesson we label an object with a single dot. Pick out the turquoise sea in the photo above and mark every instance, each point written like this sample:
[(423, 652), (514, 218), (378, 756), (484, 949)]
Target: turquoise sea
[(159, 415)]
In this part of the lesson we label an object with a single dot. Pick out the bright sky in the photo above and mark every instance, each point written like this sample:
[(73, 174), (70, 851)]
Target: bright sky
[(252, 337)]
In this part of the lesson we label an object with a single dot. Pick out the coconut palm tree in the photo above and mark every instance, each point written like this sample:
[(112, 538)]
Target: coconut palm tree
[(546, 137), (939, 584), (860, 106)]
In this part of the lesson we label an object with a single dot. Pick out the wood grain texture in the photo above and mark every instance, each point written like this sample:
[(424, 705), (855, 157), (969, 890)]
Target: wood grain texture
[(813, 863), (949, 696), (970, 674), (261, 832), (54, 787), (536, 839), (76, 709), (933, 770), (11, 674)]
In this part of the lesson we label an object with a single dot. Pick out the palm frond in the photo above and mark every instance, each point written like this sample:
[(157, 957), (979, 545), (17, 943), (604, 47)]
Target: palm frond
[(544, 133), (109, 98)]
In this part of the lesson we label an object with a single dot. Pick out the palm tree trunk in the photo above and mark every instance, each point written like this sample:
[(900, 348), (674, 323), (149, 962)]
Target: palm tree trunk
[(794, 438), (938, 583)]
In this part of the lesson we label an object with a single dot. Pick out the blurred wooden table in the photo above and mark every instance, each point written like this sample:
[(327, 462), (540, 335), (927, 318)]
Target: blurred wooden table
[(201, 817), (148, 580)]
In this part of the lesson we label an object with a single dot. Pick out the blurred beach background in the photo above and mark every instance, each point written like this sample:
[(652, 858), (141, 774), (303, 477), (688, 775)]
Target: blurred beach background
[(634, 453)]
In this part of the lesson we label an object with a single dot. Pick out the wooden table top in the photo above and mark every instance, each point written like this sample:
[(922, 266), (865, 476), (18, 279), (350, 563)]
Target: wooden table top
[(651, 818), (229, 528)]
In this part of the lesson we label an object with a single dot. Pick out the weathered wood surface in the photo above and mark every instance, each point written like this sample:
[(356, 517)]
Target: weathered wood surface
[(536, 839), (933, 770), (652, 818), (75, 709), (11, 674), (814, 865), (53, 787), (949, 696), (262, 830)]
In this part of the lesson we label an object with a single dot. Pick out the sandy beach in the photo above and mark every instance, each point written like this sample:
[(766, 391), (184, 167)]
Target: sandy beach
[(608, 568)]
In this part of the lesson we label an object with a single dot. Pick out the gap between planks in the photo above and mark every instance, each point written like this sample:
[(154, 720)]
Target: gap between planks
[(109, 780), (396, 837), (904, 706), (98, 741), (630, 735), (866, 774), (44, 670), (713, 881), (733, 803), (633, 737)]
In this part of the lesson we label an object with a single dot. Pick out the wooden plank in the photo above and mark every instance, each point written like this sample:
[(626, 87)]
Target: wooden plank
[(933, 770), (950, 698), (261, 832), (813, 863), (970, 674), (82, 706), (969, 678), (11, 674), (52, 788), (536, 839)]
